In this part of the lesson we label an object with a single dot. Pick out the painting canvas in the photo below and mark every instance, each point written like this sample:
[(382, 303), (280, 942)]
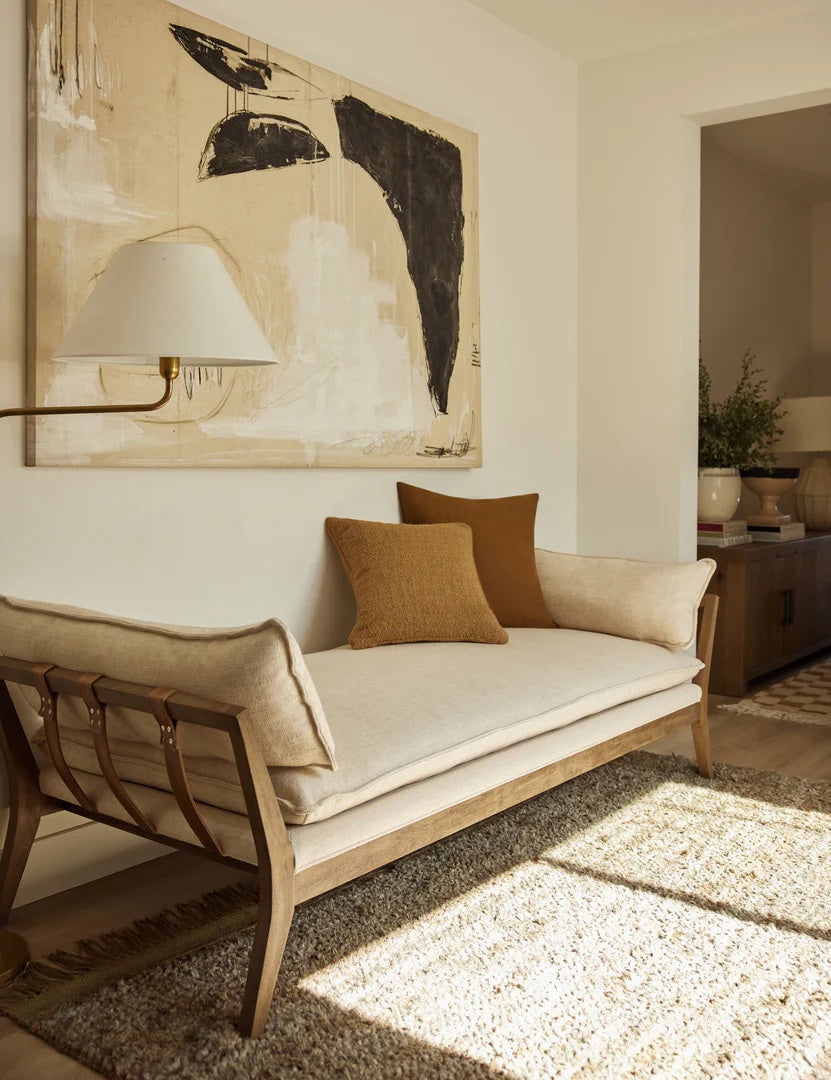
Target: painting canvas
[(347, 219)]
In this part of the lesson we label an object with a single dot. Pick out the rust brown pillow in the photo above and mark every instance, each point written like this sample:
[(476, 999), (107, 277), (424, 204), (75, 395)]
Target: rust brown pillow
[(413, 583), (503, 546)]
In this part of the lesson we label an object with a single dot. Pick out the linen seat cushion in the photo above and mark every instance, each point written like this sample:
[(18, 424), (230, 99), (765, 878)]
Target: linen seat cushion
[(259, 667), (503, 547), (390, 731)]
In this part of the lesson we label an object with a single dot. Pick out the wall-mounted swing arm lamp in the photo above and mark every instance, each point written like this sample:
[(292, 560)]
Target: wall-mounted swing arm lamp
[(157, 302), (166, 303)]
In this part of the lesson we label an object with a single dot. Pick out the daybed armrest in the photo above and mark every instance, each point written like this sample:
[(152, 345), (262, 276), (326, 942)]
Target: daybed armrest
[(648, 601), (260, 668)]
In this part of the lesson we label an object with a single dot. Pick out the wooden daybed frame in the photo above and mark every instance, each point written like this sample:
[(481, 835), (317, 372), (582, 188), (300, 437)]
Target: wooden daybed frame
[(280, 889)]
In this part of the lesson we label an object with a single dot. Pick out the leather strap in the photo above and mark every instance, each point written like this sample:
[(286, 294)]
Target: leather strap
[(98, 726), (49, 712), (176, 769)]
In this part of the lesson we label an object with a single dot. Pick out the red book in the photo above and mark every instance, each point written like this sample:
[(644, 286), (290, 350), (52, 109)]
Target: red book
[(723, 528)]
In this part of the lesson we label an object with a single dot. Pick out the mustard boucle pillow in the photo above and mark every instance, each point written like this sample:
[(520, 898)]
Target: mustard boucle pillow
[(413, 583)]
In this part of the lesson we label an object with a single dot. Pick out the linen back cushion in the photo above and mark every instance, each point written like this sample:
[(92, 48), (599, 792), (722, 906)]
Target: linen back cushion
[(258, 667), (503, 547), (647, 601), (413, 583)]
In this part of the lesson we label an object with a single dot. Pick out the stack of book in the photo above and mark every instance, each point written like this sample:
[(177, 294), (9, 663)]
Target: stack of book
[(794, 530), (723, 533)]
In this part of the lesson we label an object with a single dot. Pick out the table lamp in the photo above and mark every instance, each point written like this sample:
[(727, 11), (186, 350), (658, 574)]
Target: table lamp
[(157, 302), (807, 428), (165, 303)]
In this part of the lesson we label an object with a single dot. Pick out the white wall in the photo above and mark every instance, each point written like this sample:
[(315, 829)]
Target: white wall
[(220, 547), (639, 143), (756, 261)]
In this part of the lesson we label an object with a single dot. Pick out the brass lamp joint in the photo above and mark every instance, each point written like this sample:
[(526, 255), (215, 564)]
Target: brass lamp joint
[(168, 366)]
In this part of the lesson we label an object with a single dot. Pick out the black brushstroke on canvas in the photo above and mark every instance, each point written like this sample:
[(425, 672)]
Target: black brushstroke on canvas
[(193, 377), (59, 46), (418, 172), (420, 175), (235, 66), (246, 141), (57, 49), (456, 449), (79, 79)]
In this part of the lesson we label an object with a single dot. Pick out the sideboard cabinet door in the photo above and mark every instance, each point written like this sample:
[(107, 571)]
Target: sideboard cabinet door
[(775, 607), (765, 613), (822, 593)]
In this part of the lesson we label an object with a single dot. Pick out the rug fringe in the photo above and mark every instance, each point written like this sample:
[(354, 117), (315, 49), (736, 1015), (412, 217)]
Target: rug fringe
[(117, 953), (751, 708)]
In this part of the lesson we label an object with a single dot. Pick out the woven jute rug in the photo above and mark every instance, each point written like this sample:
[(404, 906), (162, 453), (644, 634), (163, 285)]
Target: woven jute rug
[(638, 921), (803, 697)]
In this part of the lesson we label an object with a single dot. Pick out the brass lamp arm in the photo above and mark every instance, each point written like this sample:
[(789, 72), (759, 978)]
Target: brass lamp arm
[(168, 369), (63, 410)]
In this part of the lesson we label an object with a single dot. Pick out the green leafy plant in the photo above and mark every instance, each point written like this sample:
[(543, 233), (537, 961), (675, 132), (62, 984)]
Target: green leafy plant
[(741, 431)]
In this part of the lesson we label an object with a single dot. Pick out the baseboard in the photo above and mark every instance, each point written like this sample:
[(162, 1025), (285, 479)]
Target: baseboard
[(70, 851)]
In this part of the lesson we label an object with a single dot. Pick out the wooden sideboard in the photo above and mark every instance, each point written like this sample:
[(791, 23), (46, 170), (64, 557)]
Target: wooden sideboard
[(775, 607)]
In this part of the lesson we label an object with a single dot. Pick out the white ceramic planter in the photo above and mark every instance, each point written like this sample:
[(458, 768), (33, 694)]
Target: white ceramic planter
[(719, 491)]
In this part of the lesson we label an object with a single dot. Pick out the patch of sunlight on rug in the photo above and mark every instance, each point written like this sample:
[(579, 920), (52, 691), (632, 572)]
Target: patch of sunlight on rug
[(677, 949)]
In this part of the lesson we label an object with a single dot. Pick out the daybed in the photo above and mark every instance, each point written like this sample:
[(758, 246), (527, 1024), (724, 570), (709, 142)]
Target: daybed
[(324, 767)]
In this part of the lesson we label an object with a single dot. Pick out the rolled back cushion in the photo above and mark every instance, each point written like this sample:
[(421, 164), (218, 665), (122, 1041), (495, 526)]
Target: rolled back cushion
[(647, 601), (260, 668)]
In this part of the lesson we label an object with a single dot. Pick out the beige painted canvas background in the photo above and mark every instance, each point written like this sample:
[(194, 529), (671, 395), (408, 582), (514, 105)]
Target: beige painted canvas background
[(119, 118)]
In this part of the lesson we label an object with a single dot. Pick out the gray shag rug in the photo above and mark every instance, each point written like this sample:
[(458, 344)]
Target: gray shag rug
[(638, 921)]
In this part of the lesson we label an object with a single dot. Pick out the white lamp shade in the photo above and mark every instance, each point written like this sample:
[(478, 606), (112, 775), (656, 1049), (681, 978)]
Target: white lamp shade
[(166, 299), (807, 425)]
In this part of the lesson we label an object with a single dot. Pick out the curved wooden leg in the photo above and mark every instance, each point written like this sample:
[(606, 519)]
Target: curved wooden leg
[(704, 652), (20, 834), (273, 922), (703, 754), (27, 805), (275, 863)]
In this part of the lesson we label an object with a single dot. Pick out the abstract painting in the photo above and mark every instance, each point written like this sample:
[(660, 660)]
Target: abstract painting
[(348, 220)]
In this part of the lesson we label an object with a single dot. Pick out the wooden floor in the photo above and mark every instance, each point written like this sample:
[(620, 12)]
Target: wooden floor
[(772, 745), (793, 749)]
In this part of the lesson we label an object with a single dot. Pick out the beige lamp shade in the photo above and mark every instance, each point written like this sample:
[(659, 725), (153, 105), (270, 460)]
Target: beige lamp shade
[(807, 428), (166, 299)]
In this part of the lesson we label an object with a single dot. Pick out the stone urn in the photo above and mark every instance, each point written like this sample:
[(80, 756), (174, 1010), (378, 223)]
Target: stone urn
[(769, 484)]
